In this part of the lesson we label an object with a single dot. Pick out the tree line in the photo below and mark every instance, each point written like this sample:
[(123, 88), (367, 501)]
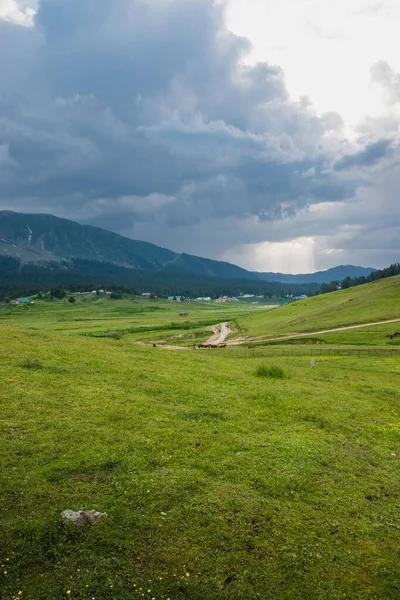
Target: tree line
[(79, 275), (348, 282)]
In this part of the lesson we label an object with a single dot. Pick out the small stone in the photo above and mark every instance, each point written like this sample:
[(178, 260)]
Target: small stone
[(163, 514), (82, 517)]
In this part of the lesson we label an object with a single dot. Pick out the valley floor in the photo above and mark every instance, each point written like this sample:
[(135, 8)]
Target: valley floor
[(224, 475)]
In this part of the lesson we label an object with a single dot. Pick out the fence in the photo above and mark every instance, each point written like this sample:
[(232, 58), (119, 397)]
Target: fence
[(313, 352)]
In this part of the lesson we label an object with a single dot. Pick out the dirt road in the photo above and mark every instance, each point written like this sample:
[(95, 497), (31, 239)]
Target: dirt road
[(310, 333), (221, 332)]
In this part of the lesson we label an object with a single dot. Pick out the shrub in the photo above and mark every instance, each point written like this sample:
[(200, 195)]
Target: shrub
[(71, 300), (273, 372)]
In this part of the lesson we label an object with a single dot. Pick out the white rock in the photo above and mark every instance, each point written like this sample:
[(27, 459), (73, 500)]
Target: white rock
[(82, 517)]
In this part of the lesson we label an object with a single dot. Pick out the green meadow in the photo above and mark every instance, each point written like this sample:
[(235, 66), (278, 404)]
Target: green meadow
[(372, 302), (224, 476), (131, 315)]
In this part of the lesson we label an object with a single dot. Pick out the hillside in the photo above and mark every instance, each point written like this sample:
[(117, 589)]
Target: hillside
[(18, 279), (377, 301), (223, 476), (44, 238)]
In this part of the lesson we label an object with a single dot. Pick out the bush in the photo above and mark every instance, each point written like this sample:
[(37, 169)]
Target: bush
[(272, 372), (71, 300)]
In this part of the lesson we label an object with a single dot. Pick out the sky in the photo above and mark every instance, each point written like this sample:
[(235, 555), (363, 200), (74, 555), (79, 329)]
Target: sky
[(260, 132)]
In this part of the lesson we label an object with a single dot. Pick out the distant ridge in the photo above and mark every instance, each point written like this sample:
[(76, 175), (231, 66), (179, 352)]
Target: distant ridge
[(335, 274), (44, 238)]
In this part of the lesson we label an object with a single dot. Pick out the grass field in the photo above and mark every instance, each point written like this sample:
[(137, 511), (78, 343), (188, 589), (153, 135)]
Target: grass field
[(377, 301), (132, 316), (221, 480)]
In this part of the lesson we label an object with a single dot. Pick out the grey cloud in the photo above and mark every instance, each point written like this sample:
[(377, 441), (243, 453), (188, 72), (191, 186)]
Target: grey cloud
[(141, 116), (384, 75), (371, 155), (134, 98)]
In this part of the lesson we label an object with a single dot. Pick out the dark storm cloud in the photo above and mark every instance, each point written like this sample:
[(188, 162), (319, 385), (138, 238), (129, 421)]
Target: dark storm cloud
[(143, 111), (371, 155)]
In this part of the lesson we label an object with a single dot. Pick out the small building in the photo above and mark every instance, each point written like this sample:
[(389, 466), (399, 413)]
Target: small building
[(205, 299), (24, 301), (146, 295), (183, 314)]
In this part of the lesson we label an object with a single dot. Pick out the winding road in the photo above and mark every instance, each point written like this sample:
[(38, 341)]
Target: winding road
[(310, 333), (221, 332)]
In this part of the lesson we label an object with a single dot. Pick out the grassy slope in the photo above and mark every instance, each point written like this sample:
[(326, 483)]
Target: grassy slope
[(368, 336), (377, 301), (273, 489)]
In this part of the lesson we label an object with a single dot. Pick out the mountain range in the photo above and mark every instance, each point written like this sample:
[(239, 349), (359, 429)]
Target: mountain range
[(43, 238), (335, 274)]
